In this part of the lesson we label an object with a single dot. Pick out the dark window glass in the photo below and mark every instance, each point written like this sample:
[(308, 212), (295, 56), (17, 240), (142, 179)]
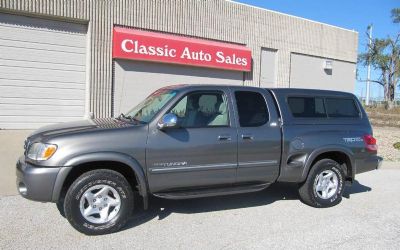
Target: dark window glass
[(340, 107), (198, 110), (307, 107), (253, 111)]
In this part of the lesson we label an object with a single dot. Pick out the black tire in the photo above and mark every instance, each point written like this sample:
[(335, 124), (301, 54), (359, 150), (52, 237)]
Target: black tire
[(91, 179), (308, 193), (60, 207)]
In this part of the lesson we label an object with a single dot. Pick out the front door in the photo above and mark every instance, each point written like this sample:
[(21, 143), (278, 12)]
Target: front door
[(259, 137), (201, 152)]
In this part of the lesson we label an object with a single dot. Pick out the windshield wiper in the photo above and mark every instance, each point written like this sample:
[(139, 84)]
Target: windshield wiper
[(123, 116), (130, 118)]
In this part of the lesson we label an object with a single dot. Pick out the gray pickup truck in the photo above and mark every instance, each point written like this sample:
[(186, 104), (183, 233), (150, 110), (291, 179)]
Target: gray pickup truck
[(190, 141)]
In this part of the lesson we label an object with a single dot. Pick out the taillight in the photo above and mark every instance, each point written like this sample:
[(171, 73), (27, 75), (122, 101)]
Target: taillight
[(370, 143)]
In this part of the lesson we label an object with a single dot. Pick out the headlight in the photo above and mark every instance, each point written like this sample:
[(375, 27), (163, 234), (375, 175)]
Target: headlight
[(41, 151)]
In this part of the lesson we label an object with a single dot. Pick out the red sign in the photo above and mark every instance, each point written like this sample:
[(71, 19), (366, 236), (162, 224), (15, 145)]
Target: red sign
[(151, 46)]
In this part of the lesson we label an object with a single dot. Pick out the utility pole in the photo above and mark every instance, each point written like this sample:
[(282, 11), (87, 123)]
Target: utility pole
[(369, 65)]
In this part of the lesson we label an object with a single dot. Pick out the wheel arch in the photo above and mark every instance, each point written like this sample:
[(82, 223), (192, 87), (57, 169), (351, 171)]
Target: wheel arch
[(342, 155), (118, 162)]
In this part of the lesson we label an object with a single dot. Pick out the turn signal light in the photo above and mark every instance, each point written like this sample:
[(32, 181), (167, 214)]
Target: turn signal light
[(49, 151)]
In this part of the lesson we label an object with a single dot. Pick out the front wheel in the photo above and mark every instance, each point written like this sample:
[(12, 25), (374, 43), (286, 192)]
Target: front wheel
[(99, 202), (324, 185)]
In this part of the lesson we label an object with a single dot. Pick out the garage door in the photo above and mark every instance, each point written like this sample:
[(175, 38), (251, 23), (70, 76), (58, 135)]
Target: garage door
[(135, 80), (42, 71)]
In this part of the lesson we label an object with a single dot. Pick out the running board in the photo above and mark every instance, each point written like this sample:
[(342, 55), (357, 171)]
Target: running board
[(189, 194)]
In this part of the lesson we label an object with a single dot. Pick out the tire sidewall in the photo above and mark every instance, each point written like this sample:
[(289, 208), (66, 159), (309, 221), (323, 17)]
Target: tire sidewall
[(318, 169), (72, 203)]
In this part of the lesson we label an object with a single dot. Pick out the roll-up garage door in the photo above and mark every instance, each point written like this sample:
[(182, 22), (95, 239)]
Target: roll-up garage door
[(135, 80), (42, 71)]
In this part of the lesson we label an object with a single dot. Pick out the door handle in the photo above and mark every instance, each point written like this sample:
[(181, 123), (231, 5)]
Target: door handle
[(224, 137), (247, 137)]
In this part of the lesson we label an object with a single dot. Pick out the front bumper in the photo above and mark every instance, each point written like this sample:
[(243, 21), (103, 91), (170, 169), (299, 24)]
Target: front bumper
[(368, 164), (35, 183)]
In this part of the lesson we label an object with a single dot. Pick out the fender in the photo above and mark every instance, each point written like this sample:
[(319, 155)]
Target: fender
[(68, 165), (329, 148)]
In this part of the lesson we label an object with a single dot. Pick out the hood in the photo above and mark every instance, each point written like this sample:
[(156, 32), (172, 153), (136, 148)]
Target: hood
[(79, 127)]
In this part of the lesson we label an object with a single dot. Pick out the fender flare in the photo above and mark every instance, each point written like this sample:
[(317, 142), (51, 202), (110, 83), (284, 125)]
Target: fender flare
[(69, 164), (331, 148)]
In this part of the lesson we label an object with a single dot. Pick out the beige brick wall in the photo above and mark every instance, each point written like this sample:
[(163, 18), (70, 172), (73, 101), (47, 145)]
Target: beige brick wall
[(213, 19)]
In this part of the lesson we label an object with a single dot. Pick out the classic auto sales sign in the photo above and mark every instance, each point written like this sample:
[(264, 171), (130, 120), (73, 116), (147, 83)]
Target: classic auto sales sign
[(141, 45)]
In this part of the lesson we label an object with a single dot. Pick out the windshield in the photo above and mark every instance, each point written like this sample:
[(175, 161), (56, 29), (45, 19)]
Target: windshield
[(147, 109)]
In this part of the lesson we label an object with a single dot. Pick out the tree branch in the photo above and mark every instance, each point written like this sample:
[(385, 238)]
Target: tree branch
[(375, 81)]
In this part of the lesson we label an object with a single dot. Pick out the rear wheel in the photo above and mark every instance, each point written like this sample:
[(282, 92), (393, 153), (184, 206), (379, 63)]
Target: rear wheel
[(99, 202), (324, 185)]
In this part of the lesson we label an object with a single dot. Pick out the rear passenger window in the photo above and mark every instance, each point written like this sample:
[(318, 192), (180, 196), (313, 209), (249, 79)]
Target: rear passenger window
[(307, 107), (340, 107), (252, 109)]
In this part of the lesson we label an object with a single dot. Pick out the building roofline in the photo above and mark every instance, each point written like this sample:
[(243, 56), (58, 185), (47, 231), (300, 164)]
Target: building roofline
[(281, 13)]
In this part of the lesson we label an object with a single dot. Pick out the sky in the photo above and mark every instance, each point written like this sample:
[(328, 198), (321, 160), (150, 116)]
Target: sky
[(350, 14)]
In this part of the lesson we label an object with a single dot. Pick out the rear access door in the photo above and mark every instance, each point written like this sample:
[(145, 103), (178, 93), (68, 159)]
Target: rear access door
[(259, 136)]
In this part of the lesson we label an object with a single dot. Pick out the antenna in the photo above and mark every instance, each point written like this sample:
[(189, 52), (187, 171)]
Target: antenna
[(369, 64)]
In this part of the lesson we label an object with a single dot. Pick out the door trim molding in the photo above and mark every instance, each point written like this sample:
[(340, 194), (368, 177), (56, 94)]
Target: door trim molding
[(258, 163), (158, 170), (193, 168)]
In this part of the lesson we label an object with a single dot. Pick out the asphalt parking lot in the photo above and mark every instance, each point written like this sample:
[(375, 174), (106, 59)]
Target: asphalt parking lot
[(273, 218)]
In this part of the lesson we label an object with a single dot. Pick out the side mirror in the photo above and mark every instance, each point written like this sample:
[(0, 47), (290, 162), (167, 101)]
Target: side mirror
[(167, 121)]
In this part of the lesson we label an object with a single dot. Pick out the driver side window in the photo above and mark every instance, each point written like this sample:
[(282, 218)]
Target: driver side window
[(197, 110)]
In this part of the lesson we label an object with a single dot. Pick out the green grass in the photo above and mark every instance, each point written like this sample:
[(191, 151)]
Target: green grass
[(397, 145)]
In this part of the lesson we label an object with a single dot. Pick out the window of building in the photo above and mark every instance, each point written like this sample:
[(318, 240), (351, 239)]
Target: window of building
[(307, 107), (341, 107), (198, 110), (252, 109)]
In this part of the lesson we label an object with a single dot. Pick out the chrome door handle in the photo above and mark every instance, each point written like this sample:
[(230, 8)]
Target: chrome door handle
[(247, 137), (224, 137), (273, 124)]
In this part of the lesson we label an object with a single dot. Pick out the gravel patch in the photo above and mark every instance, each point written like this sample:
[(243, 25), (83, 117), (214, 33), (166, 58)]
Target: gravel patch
[(386, 137)]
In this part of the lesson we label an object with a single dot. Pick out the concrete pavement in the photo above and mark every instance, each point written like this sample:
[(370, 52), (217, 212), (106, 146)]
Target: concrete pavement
[(273, 218), (391, 165)]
